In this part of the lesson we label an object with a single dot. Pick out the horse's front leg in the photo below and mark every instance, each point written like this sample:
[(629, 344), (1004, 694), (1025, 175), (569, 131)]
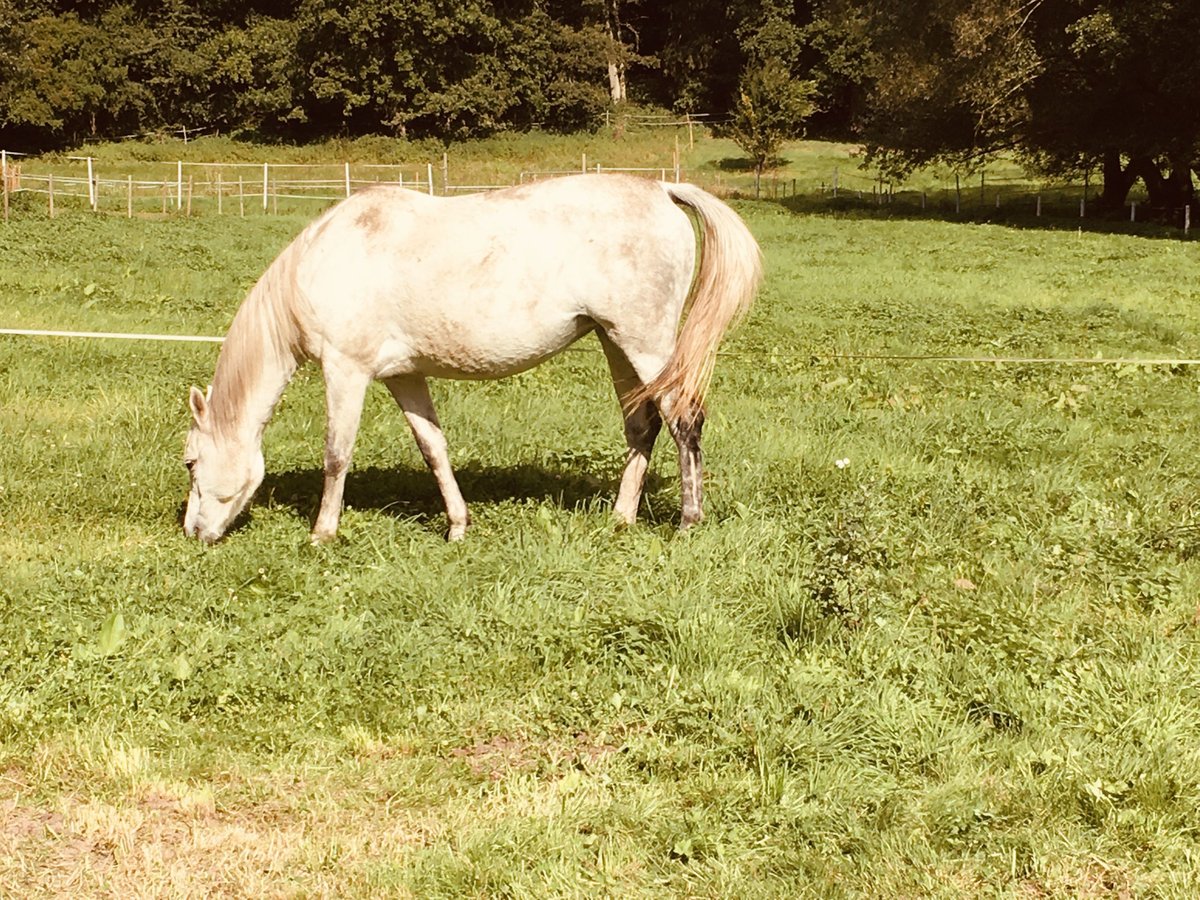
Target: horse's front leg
[(411, 392), (345, 390)]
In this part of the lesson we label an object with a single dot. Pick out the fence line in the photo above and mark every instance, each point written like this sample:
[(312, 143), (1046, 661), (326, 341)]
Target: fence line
[(112, 335), (735, 354), (253, 181), (263, 181)]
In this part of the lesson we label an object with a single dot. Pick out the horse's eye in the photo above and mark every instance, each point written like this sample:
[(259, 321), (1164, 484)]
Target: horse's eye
[(189, 463)]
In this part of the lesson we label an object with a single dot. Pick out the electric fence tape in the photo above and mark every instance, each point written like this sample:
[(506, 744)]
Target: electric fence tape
[(733, 353)]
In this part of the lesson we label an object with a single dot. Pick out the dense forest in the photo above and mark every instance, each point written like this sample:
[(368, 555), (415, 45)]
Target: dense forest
[(1071, 85), (71, 69)]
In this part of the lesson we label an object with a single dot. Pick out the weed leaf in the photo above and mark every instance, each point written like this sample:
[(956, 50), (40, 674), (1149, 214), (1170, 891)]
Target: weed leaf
[(112, 634)]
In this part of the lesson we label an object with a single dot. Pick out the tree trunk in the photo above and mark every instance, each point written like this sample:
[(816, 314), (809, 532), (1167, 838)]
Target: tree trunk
[(616, 81), (1168, 191), (616, 51), (1179, 181), (1117, 181)]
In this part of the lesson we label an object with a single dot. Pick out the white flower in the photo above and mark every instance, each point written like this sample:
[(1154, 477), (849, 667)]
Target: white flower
[(842, 463)]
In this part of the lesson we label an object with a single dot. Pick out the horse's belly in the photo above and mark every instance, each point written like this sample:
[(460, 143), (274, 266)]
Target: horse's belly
[(481, 349)]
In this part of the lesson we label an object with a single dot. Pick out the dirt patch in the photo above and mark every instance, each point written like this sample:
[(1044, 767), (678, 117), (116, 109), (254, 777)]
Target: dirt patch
[(496, 757), (173, 841)]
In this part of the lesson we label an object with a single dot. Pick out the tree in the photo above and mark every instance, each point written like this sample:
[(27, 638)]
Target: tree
[(69, 79), (429, 68), (772, 107), (618, 90), (253, 77), (1070, 86), (612, 31), (102, 68), (1117, 91), (944, 78)]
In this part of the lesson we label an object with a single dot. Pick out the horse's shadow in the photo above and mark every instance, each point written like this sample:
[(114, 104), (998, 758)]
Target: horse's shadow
[(408, 492)]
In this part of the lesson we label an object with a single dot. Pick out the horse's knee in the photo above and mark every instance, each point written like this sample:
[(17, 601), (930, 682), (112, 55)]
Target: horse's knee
[(642, 426), (688, 430), (337, 461)]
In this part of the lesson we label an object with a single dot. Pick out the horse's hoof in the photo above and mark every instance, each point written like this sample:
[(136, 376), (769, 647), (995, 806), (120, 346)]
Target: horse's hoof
[(685, 524), (456, 533), (317, 538)]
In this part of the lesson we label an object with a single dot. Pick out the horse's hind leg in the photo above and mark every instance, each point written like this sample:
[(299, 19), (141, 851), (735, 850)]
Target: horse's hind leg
[(345, 389), (642, 425), (634, 362), (686, 428), (412, 394)]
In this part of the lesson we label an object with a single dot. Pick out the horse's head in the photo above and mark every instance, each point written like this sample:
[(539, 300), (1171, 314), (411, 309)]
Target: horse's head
[(225, 473)]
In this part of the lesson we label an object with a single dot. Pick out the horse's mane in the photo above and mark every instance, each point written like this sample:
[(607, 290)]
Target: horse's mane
[(264, 332)]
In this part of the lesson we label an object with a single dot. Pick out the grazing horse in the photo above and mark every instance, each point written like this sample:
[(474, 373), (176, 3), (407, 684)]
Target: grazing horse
[(396, 285)]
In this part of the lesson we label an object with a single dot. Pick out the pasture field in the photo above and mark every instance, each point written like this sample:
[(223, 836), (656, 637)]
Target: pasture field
[(938, 637), (807, 168)]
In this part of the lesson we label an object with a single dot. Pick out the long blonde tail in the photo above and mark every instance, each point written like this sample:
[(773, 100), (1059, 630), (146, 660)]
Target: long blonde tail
[(730, 272)]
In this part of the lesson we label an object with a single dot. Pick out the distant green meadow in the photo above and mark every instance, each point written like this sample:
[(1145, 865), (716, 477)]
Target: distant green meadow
[(939, 635)]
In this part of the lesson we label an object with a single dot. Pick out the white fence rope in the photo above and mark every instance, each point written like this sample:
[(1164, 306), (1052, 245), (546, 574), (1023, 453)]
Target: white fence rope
[(112, 335), (733, 354)]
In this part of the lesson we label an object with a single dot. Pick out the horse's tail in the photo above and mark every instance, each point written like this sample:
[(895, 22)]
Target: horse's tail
[(730, 272)]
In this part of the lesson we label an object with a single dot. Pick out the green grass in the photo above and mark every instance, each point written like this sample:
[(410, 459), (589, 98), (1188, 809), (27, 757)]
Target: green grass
[(964, 664)]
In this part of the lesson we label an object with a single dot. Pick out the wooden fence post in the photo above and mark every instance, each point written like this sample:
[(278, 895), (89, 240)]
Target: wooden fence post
[(179, 184), (91, 186), (347, 179), (264, 187)]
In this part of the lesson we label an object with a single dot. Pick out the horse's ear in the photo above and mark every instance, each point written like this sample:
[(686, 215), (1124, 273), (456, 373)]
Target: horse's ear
[(199, 404)]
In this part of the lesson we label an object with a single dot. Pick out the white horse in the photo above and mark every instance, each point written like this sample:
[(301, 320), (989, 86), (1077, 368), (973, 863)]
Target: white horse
[(398, 285)]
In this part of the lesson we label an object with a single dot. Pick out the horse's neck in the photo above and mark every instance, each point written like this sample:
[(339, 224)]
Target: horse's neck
[(254, 367)]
